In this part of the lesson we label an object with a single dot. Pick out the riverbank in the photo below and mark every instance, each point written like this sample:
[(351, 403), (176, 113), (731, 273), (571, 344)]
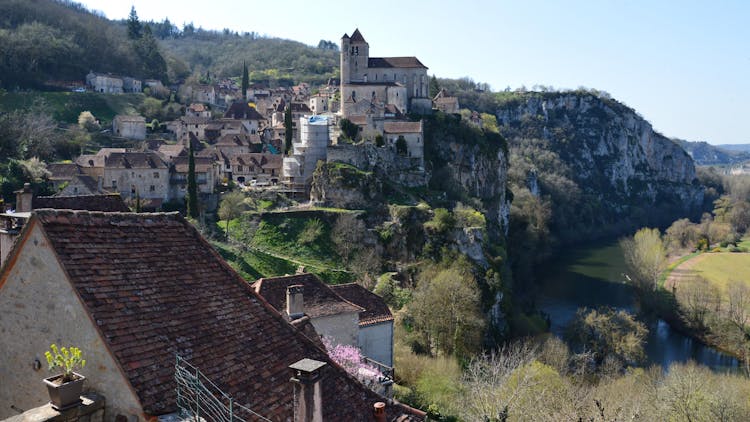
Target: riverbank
[(707, 310), (591, 276)]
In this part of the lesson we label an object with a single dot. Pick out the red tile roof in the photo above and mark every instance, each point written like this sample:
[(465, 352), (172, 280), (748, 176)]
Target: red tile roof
[(105, 203), (319, 300), (357, 36), (156, 288), (398, 62), (402, 127), (375, 309)]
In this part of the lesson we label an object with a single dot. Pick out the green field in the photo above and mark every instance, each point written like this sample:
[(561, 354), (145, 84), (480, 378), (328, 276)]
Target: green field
[(721, 268), (66, 106)]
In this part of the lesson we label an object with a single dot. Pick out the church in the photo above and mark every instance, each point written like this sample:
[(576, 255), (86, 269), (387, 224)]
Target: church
[(369, 84)]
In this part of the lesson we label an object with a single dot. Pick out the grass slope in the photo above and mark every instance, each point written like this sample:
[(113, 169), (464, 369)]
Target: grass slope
[(66, 106)]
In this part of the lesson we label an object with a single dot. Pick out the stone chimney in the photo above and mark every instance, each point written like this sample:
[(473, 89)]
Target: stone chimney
[(23, 198), (295, 306), (379, 409), (307, 375)]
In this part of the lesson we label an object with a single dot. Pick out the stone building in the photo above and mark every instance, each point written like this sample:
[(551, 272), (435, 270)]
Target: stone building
[(134, 291), (380, 80), (131, 174), (131, 127), (295, 296), (299, 166), (413, 134), (104, 83), (375, 337)]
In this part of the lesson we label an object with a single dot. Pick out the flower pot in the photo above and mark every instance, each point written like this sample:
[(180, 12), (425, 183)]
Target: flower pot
[(67, 395)]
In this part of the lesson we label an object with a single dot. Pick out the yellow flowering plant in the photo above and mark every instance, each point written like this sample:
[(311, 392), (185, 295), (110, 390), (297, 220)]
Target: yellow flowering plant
[(67, 359)]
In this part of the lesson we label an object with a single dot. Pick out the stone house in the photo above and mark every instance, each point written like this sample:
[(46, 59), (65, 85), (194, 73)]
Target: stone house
[(131, 127), (198, 110), (294, 296), (206, 176), (445, 103), (319, 103), (375, 322), (189, 125), (132, 85), (104, 83), (203, 94), (131, 174), (412, 132), (134, 291), (259, 169)]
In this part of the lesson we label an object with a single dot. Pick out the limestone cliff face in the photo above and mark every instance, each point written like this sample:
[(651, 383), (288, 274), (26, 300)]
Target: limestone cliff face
[(616, 157), (467, 163)]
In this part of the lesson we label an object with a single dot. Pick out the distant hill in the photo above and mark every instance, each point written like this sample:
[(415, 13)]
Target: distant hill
[(705, 154), (735, 147)]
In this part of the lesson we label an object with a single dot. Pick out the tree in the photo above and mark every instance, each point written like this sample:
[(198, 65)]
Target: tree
[(349, 128), (346, 234), (231, 207), (245, 80), (87, 121), (434, 86), (739, 302), (153, 64), (134, 25), (681, 234), (446, 308), (192, 187), (697, 297), (608, 332), (288, 130), (401, 147), (645, 258)]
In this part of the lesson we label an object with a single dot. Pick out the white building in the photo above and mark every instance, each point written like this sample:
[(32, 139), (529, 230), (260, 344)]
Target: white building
[(298, 168)]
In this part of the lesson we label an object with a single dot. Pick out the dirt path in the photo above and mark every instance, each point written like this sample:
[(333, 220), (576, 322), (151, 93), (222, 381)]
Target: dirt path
[(683, 271)]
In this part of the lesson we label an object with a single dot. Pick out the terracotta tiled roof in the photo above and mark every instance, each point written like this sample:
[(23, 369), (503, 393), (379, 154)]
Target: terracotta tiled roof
[(156, 288), (135, 160), (203, 164), (319, 300), (130, 118), (106, 202), (236, 140), (258, 160), (402, 127), (62, 171), (242, 111), (375, 309), (357, 36), (398, 62)]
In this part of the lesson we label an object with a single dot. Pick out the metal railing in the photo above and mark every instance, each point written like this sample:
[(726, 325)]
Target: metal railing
[(199, 399)]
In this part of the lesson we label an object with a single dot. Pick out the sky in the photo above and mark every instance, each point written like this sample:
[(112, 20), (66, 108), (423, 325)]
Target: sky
[(684, 65)]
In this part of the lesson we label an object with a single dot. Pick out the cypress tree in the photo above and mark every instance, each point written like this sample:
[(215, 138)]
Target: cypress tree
[(134, 25), (245, 80), (192, 201), (288, 129)]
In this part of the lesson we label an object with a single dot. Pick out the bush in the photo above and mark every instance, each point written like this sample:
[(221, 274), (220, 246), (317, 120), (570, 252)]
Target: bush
[(312, 231), (441, 222)]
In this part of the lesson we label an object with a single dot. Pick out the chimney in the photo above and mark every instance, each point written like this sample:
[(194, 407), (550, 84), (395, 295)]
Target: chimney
[(379, 409), (295, 306), (23, 198), (307, 375)]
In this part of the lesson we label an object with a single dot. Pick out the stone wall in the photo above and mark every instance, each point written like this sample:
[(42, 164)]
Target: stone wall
[(38, 307), (342, 328)]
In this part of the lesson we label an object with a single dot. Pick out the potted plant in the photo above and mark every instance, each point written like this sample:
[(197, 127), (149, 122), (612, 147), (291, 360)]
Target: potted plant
[(65, 389)]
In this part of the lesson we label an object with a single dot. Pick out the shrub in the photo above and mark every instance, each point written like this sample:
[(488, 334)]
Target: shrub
[(312, 231), (441, 222)]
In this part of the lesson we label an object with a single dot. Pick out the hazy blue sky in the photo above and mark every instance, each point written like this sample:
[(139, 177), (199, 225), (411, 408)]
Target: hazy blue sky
[(683, 65)]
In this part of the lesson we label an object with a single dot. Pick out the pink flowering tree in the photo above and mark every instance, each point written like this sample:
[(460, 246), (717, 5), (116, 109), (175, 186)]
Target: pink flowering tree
[(351, 359)]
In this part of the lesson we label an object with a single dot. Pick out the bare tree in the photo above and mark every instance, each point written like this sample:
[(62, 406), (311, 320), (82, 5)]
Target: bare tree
[(739, 301), (697, 297)]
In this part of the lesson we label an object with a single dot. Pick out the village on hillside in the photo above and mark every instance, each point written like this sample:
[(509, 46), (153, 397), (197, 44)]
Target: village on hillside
[(241, 138), (170, 331)]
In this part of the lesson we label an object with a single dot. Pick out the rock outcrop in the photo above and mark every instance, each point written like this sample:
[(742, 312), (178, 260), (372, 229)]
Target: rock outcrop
[(620, 163)]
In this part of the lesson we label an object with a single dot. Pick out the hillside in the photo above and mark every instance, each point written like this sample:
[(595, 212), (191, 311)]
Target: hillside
[(705, 154), (269, 60), (49, 40)]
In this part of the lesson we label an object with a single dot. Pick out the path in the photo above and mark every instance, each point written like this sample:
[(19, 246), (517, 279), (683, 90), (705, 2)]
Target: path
[(683, 272)]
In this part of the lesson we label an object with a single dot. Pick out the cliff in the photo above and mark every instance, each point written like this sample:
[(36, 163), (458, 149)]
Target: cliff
[(628, 174)]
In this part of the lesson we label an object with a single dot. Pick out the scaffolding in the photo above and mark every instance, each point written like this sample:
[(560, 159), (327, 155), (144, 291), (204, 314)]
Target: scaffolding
[(199, 399)]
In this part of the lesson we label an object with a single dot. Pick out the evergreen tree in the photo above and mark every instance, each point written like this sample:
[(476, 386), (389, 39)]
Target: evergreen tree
[(154, 65), (192, 188), (288, 129), (134, 25), (434, 87), (245, 80)]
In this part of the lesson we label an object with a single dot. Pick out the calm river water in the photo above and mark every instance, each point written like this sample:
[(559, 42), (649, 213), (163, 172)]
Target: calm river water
[(591, 277)]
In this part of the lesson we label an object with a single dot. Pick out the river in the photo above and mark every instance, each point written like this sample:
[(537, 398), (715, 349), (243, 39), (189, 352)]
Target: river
[(592, 276)]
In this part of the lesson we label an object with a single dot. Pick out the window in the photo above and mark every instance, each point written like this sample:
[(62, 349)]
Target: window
[(114, 184), (156, 175), (132, 189), (152, 188), (239, 168)]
